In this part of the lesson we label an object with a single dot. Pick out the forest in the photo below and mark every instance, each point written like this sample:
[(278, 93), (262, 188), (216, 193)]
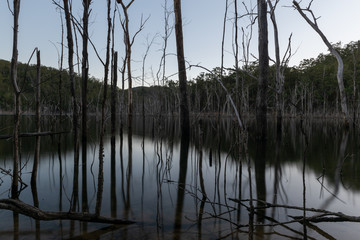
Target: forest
[(309, 89), (255, 149)]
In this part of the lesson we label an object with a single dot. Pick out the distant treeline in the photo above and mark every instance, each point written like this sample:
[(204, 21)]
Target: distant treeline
[(310, 88)]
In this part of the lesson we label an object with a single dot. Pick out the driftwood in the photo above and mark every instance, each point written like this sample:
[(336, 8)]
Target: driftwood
[(35, 134), (38, 214), (323, 216)]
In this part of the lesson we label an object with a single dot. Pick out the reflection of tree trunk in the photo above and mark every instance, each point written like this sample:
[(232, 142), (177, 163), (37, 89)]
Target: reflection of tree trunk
[(260, 162), (338, 170), (75, 193), (304, 191), (143, 170), (84, 194), (113, 178), (201, 179), (122, 164), (36, 204), (128, 173), (159, 181), (100, 188), (184, 150), (16, 225), (60, 182)]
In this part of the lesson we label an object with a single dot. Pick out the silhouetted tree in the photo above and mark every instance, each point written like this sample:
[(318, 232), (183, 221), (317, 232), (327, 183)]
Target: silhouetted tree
[(184, 108)]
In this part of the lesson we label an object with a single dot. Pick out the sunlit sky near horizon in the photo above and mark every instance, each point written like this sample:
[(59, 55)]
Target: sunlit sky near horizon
[(40, 26)]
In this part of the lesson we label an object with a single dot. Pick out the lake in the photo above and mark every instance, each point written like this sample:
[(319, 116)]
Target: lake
[(210, 187)]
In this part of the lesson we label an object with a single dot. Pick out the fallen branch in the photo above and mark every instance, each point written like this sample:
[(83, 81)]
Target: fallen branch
[(337, 217), (38, 214), (36, 134)]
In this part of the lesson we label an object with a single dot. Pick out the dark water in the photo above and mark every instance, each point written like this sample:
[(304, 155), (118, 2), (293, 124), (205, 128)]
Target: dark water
[(174, 189)]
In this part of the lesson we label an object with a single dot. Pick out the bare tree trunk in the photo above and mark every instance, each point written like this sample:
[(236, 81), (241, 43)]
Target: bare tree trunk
[(128, 44), (60, 79), (102, 131), (85, 70), (314, 25), (237, 99), (38, 123), (223, 39), (261, 103), (72, 77), (114, 94), (184, 108), (280, 66), (279, 78), (13, 77), (167, 33), (354, 83)]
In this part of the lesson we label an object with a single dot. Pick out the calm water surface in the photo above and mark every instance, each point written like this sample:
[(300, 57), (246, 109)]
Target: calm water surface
[(173, 189)]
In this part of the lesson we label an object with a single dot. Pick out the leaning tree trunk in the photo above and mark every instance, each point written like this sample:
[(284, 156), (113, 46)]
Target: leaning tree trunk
[(261, 103), (13, 77), (314, 25), (184, 109)]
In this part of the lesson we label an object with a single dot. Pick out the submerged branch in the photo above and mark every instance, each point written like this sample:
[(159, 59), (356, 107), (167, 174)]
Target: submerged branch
[(38, 214)]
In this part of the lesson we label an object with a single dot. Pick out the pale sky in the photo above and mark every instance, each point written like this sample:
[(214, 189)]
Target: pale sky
[(39, 26)]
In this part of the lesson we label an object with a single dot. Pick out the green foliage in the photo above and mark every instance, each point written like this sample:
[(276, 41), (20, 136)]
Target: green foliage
[(50, 88), (311, 87)]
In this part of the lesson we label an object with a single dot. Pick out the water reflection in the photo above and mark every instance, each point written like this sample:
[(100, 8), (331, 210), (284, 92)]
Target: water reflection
[(177, 188)]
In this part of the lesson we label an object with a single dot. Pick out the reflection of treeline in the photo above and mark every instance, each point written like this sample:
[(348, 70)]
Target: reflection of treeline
[(331, 151), (310, 88)]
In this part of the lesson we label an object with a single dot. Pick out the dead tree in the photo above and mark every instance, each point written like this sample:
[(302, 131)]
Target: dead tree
[(168, 29), (261, 98), (125, 25), (184, 108), (148, 46), (102, 131), (313, 23), (17, 92), (114, 93), (38, 118), (236, 55), (223, 38), (84, 81), (72, 77), (280, 65), (84, 75)]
